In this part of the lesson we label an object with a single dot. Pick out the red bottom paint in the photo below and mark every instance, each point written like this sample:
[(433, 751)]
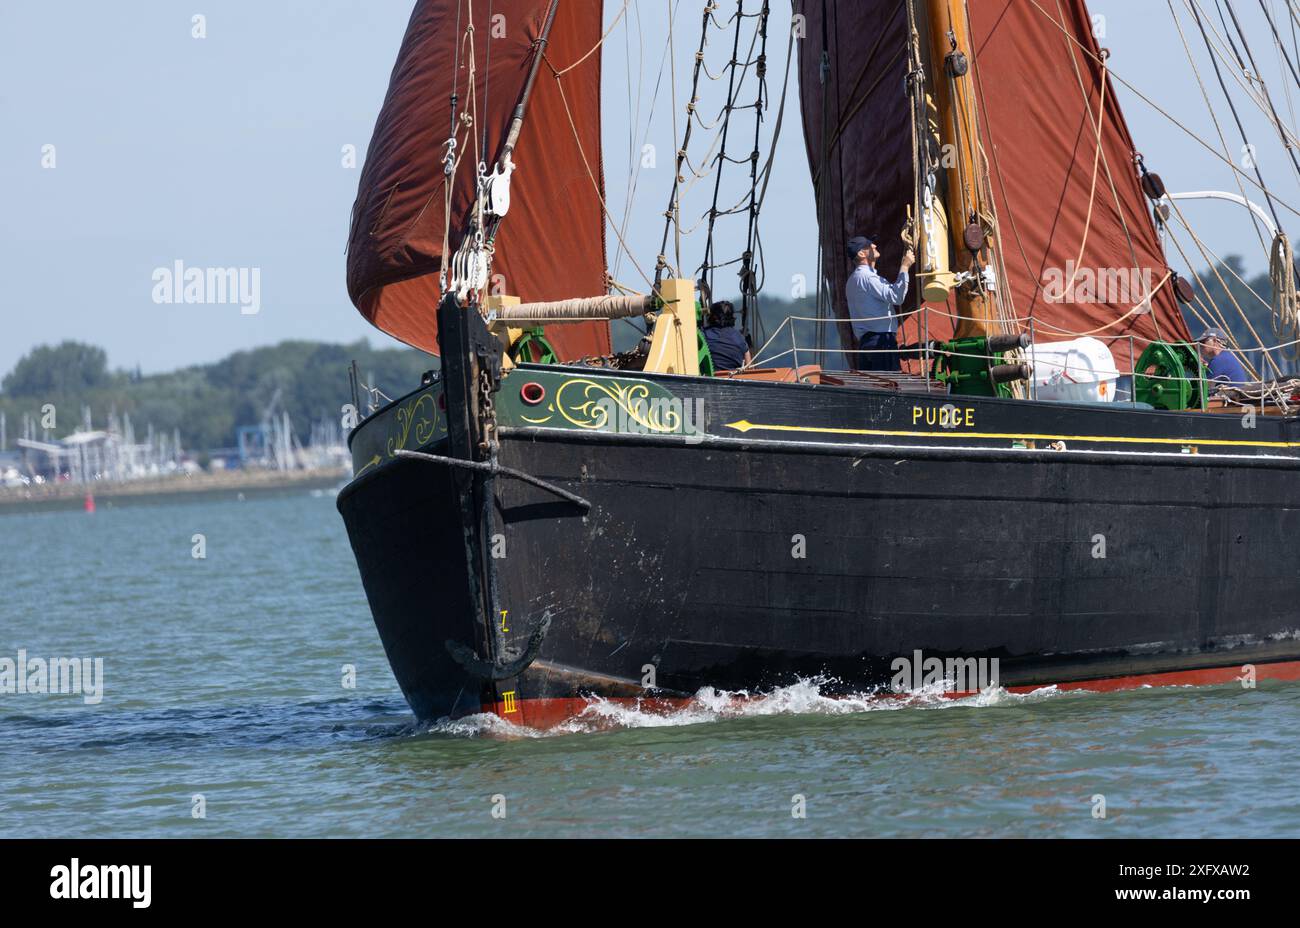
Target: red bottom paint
[(548, 713)]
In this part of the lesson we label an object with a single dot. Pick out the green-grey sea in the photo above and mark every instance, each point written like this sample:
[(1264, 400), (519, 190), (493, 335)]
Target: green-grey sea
[(246, 693)]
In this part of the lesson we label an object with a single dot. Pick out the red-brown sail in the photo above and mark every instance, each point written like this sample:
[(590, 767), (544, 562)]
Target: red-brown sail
[(551, 245), (1041, 141), (1039, 137)]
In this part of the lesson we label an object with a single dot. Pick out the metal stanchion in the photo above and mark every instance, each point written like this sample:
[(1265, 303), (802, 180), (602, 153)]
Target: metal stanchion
[(1132, 371), (1033, 378), (925, 353)]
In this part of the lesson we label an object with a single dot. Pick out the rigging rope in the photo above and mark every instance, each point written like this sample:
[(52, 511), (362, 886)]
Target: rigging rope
[(1104, 67), (621, 231), (1212, 308), (1286, 313), (1268, 98), (673, 213), (1096, 163), (1232, 107), (1165, 113), (717, 157), (821, 183), (1277, 39), (747, 272), (1215, 262), (456, 149), (449, 163), (1241, 188), (923, 172), (1252, 83), (595, 48), (595, 184)]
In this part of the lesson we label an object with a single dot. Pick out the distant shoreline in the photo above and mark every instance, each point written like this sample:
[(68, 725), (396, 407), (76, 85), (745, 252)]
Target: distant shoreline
[(230, 484)]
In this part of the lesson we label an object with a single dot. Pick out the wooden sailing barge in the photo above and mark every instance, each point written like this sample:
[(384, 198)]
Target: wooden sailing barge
[(544, 521)]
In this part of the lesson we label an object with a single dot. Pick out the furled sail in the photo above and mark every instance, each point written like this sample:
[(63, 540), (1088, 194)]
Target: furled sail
[(552, 244), (1078, 257)]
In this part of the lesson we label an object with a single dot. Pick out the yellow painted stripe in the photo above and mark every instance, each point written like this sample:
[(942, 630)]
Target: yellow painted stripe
[(746, 426)]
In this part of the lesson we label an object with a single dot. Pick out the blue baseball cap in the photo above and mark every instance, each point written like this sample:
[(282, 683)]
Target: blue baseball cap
[(857, 243)]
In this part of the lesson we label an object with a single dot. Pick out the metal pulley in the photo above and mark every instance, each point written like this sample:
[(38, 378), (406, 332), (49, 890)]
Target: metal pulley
[(1152, 185), (496, 190)]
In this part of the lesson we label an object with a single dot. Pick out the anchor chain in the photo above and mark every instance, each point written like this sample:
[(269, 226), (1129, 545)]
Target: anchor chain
[(488, 442)]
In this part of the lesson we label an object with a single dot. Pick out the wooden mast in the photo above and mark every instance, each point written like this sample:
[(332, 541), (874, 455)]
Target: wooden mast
[(954, 94)]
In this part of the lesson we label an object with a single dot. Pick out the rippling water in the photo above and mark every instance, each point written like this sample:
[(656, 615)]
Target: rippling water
[(223, 678)]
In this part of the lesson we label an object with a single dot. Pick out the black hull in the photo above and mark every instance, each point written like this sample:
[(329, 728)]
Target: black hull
[(686, 572)]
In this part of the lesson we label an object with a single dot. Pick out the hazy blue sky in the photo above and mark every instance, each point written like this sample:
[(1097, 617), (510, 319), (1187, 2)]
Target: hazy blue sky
[(226, 151)]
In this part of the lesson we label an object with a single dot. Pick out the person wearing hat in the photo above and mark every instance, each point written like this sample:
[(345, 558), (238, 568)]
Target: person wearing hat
[(1221, 365), (727, 345), (871, 305)]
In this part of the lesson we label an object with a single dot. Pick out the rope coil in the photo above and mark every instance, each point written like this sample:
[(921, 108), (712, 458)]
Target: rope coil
[(1286, 312)]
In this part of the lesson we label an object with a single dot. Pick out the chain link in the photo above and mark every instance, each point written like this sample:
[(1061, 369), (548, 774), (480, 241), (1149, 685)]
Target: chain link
[(487, 413)]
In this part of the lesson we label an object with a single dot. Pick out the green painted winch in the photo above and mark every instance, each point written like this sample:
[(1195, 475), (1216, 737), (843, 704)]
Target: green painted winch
[(1170, 375)]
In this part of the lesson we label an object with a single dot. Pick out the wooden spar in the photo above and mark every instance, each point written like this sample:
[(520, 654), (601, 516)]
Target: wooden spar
[(581, 309), (517, 120), (954, 95), (511, 318), (674, 335)]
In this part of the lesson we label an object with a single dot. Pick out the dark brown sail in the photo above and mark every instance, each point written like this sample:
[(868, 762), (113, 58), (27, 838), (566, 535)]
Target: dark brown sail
[(857, 127), (552, 243)]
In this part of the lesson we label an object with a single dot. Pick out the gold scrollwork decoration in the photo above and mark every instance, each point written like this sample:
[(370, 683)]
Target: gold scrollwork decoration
[(592, 406), (420, 416)]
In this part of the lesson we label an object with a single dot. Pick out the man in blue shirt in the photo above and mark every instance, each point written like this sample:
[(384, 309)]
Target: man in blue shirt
[(871, 306), (1221, 365)]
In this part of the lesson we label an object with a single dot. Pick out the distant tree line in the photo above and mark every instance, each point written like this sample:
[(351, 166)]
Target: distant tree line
[(205, 402)]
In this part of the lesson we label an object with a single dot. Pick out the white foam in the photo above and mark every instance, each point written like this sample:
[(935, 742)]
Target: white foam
[(481, 723), (804, 697)]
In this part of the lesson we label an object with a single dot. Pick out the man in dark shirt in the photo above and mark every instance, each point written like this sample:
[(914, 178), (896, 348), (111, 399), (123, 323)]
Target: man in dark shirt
[(1221, 365), (727, 346)]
